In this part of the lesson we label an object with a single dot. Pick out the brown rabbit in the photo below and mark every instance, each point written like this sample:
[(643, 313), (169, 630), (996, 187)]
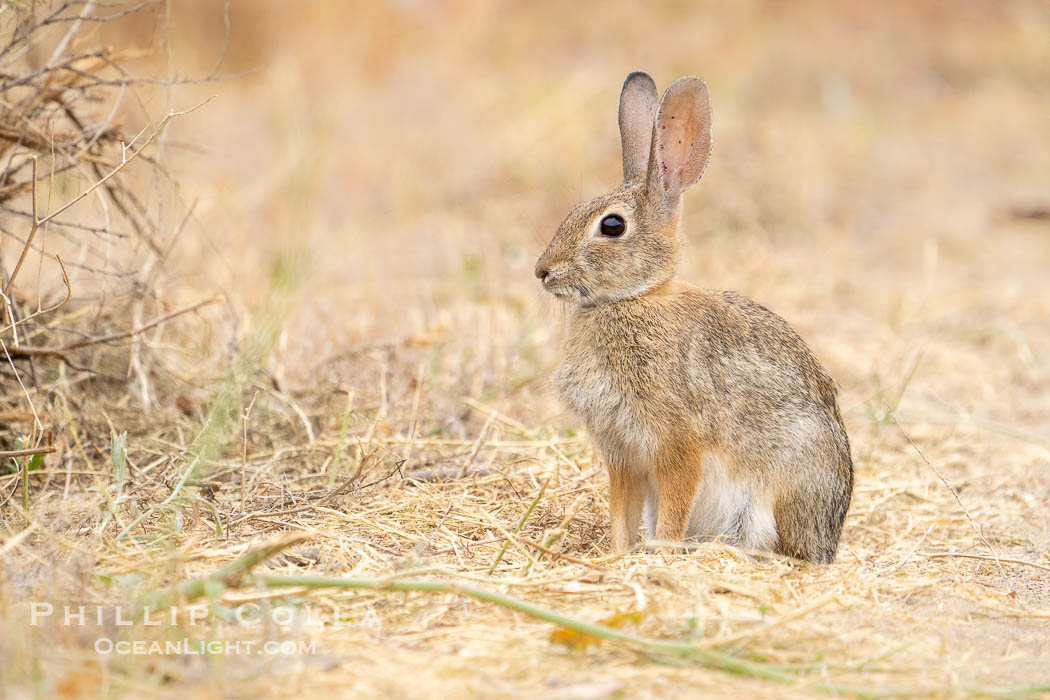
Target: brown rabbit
[(707, 407)]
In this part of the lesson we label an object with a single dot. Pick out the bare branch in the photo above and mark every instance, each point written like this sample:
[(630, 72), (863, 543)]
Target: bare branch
[(125, 159), (24, 352), (29, 239)]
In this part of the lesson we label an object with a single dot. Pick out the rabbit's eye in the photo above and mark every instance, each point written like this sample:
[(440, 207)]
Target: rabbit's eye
[(612, 226)]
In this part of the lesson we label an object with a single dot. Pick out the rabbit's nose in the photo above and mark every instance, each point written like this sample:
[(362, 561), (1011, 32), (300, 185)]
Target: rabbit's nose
[(542, 271)]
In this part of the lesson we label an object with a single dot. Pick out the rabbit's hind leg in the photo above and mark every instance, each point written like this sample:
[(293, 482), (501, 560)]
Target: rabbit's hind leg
[(809, 522), (812, 497)]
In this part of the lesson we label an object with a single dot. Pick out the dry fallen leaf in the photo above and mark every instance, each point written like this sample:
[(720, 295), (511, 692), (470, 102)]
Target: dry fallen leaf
[(581, 640)]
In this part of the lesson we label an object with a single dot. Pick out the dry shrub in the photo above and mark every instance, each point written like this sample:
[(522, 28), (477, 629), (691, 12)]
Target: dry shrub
[(89, 214)]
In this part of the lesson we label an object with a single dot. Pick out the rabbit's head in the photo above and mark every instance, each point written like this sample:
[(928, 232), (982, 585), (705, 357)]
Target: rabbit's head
[(625, 243)]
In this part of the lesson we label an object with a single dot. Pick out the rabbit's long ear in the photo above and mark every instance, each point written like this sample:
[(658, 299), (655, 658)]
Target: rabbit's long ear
[(681, 138), (638, 101)]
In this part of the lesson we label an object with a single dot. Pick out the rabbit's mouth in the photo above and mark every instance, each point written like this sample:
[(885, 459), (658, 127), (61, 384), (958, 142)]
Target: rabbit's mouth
[(566, 292), (573, 293), (555, 282)]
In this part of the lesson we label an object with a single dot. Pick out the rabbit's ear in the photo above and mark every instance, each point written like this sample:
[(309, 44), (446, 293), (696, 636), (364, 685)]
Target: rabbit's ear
[(638, 101), (681, 137)]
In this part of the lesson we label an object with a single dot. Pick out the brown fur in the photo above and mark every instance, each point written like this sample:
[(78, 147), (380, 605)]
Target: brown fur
[(669, 378)]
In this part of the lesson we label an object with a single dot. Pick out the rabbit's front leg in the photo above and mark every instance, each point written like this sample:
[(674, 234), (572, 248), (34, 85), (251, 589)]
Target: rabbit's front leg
[(626, 495), (677, 479)]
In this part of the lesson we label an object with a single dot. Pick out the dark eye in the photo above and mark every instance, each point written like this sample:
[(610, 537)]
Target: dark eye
[(613, 226)]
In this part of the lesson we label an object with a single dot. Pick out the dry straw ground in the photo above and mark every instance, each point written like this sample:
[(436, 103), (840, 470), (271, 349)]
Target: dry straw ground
[(370, 189)]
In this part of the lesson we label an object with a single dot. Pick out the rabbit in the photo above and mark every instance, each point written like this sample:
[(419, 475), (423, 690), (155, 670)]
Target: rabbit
[(710, 412)]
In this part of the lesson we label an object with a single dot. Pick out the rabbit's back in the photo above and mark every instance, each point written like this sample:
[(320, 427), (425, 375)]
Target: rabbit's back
[(713, 353)]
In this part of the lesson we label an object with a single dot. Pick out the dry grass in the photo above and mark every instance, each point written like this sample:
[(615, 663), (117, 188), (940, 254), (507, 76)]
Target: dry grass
[(371, 197)]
